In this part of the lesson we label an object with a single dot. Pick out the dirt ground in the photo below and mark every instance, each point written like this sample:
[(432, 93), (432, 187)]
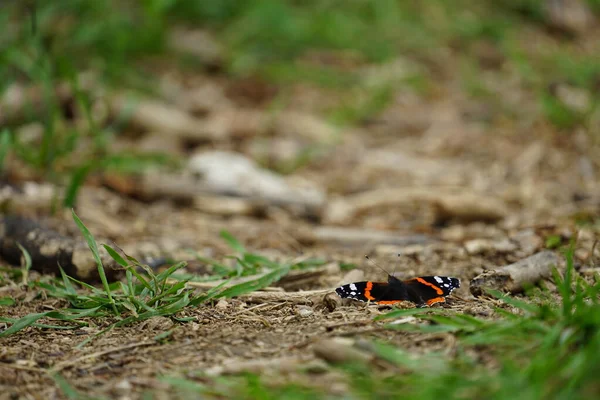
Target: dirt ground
[(454, 193)]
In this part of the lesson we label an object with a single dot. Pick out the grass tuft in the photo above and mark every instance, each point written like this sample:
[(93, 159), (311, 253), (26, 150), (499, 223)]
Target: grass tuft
[(542, 351), (89, 238), (144, 293)]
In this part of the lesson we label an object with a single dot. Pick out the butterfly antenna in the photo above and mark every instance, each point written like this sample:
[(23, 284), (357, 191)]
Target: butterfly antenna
[(399, 256), (376, 265)]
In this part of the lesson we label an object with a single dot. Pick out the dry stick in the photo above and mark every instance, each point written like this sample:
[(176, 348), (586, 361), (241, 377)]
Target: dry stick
[(62, 365), (448, 204), (515, 277), (151, 186), (268, 294), (304, 297), (162, 117), (211, 284), (21, 367), (288, 364), (263, 305), (361, 236), (336, 352)]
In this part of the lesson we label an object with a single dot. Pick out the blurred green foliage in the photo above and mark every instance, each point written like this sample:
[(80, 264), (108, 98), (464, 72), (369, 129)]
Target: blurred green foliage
[(126, 43)]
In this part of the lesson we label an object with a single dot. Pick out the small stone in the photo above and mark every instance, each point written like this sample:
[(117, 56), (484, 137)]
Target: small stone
[(504, 246), (304, 311), (222, 305), (528, 241), (477, 246), (123, 386)]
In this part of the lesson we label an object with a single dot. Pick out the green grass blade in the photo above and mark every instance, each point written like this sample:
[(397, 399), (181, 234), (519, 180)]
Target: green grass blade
[(256, 260), (178, 286), (183, 384), (69, 391), (169, 271), (520, 304), (163, 335), (218, 268), (91, 288), (7, 301), (94, 248), (26, 265), (232, 242), (67, 283), (116, 256), (77, 179), (212, 293), (22, 323), (46, 326), (66, 315), (140, 278), (256, 284), (5, 145), (423, 328), (171, 309), (565, 287), (163, 276)]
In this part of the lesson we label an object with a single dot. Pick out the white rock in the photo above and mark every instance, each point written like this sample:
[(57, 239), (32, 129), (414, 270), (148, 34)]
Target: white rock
[(235, 174), (222, 304), (304, 311)]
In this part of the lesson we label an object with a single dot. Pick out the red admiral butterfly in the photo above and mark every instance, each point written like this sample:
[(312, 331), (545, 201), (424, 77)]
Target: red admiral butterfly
[(424, 290)]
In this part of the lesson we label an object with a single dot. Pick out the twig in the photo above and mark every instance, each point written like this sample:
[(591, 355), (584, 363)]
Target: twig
[(515, 277), (447, 204), (62, 365), (257, 366), (21, 367), (263, 305), (354, 235), (303, 297)]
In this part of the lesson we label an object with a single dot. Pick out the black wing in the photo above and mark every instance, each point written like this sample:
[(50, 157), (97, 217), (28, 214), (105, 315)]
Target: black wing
[(430, 289)]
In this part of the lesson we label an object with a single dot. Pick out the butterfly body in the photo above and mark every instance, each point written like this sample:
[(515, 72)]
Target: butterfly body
[(424, 290)]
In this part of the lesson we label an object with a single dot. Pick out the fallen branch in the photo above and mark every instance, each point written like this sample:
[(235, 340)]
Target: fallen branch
[(340, 351), (283, 364), (309, 297), (289, 279), (364, 236), (447, 204), (154, 116), (515, 277), (212, 200)]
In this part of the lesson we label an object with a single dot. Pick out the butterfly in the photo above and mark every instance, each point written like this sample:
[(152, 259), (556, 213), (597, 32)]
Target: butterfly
[(423, 290)]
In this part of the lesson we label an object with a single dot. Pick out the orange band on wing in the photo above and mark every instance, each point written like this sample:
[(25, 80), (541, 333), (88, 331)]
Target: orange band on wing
[(368, 291), (424, 282), (436, 300), (389, 302)]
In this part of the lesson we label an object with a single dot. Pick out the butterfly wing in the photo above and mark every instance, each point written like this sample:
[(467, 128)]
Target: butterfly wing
[(376, 292), (430, 289), (424, 290)]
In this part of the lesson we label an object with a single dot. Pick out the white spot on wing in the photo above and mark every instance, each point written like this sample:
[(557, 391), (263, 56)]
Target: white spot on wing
[(438, 279), (352, 286)]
